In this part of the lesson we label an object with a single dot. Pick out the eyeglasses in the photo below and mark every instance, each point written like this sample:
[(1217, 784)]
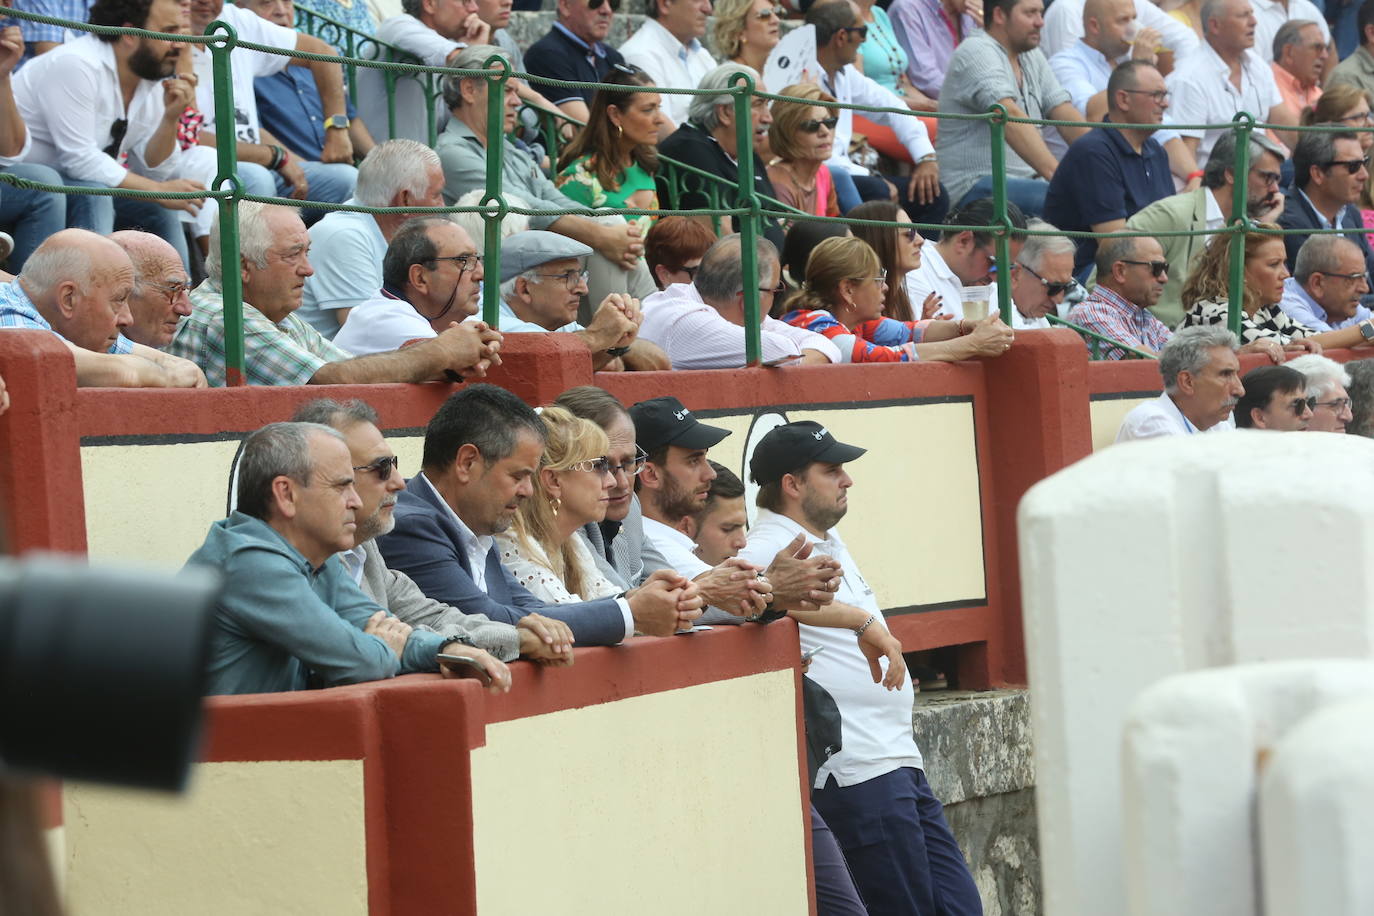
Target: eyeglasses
[(910, 232), (1269, 178), (1351, 165), (1302, 405), (1051, 289), (1359, 117), (571, 278), (1159, 269), (880, 279), (465, 262), (814, 127), (598, 466), (772, 12), (861, 30), (632, 467), (1356, 276), (596, 4), (172, 291), (382, 467), (775, 290), (1335, 405), (1159, 97)]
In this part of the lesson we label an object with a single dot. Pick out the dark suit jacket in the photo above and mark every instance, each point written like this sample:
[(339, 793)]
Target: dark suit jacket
[(426, 546), (1298, 214)]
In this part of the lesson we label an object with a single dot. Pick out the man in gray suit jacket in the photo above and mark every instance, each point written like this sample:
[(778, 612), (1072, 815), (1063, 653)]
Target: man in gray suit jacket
[(377, 480)]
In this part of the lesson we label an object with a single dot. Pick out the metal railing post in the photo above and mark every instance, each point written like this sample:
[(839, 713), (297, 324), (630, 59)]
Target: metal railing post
[(496, 139), (1239, 223), (743, 85), (226, 153), (998, 129)]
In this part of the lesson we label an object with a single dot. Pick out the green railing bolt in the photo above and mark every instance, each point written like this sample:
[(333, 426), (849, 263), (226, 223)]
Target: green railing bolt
[(998, 129), (226, 153), (1240, 220), (743, 86), (496, 141)]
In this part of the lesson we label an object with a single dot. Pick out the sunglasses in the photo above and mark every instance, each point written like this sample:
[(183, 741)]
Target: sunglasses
[(596, 4), (772, 12), (1302, 405), (1351, 165), (813, 126), (860, 30), (597, 466), (382, 467), (1159, 269), (910, 232), (1051, 289)]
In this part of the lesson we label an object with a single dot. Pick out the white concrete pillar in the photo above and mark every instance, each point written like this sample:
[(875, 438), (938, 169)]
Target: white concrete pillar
[(1316, 806), (1158, 557), (1194, 748)]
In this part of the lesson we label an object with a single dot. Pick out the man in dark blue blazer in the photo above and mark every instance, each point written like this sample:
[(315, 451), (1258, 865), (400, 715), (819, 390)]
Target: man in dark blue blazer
[(1328, 175), (481, 452)]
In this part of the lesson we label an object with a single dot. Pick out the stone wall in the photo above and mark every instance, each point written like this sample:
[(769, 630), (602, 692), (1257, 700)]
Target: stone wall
[(978, 757)]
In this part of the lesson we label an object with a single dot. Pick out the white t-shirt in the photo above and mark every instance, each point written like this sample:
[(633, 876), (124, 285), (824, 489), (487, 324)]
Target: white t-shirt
[(381, 325), (875, 722), (247, 66), (1161, 417), (346, 250)]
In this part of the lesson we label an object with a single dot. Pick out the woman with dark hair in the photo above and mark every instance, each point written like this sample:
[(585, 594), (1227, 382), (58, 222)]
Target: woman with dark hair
[(899, 252), (803, 236), (611, 163), (842, 299)]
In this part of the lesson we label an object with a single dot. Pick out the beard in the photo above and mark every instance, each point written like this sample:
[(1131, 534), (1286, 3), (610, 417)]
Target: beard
[(375, 525), (676, 501), (821, 515), (149, 66)]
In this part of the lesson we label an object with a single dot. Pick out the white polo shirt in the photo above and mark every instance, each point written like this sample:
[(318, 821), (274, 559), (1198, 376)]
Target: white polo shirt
[(1203, 94)]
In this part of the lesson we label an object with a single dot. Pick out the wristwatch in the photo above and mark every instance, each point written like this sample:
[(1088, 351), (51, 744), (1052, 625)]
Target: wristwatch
[(336, 122), (1367, 329), (617, 351)]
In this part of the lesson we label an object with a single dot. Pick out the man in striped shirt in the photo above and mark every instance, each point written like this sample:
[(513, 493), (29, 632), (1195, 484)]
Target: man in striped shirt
[(1130, 278)]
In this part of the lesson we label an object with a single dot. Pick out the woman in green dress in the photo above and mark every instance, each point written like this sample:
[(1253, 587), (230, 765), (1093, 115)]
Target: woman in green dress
[(611, 163)]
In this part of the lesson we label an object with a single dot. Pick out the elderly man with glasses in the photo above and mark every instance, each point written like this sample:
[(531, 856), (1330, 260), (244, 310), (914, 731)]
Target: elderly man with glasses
[(1041, 277), (160, 298), (543, 280), (1328, 282), (1328, 388), (1130, 279)]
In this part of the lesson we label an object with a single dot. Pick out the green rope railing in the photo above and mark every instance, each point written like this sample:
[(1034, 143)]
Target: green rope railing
[(1096, 341), (360, 51)]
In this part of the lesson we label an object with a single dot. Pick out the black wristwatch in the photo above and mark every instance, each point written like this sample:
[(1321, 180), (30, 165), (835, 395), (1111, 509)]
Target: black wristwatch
[(617, 351)]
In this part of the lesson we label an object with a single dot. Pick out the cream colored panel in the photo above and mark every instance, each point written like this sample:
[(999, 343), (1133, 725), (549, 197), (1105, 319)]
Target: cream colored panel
[(283, 837), (683, 802), (152, 504), (914, 524), (1106, 417)]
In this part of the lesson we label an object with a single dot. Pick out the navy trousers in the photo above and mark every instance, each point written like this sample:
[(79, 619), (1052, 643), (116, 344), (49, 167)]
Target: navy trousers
[(900, 850), (836, 894)]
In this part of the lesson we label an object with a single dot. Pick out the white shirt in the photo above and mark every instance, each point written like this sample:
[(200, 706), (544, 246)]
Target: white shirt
[(381, 325), (696, 336), (935, 276), (1215, 219), (1203, 94), (248, 66), (353, 562), (414, 37), (529, 564), (1020, 322), (1064, 26), (475, 547), (70, 99), (669, 62), (1270, 15), (875, 723), (1161, 417), (1083, 72), (677, 548), (852, 87)]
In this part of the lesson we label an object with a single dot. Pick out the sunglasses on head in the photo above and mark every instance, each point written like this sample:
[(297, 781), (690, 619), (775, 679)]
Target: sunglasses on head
[(382, 467), (1159, 269), (813, 126), (1351, 165), (1302, 405)]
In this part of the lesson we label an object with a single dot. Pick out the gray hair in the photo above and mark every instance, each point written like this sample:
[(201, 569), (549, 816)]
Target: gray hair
[(1361, 391), (508, 287), (1321, 254), (1222, 159), (276, 450), (1189, 350), (1323, 373), (255, 238), (1290, 33), (1110, 251), (476, 223), (1211, 9), (721, 275), (337, 414), (1037, 247), (58, 261), (392, 167), (704, 110), (473, 57)]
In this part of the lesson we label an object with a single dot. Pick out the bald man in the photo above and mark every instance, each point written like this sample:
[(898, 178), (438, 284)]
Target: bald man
[(160, 298), (77, 285)]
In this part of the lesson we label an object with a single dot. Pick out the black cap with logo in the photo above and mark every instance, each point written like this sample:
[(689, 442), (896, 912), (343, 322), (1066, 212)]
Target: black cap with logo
[(664, 421), (793, 446)]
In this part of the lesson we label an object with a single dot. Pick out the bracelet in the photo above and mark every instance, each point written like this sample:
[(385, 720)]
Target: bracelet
[(867, 624), (961, 327), (617, 351), (1192, 175), (277, 154)]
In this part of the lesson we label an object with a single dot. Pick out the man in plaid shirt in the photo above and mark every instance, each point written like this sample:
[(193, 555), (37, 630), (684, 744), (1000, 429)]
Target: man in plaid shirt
[(1131, 274), (280, 348)]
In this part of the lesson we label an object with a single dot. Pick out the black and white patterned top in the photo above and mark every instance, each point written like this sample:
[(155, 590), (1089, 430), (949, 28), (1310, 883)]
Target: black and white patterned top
[(1268, 322)]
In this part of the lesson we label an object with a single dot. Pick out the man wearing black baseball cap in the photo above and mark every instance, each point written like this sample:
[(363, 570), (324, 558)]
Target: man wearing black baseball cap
[(876, 784)]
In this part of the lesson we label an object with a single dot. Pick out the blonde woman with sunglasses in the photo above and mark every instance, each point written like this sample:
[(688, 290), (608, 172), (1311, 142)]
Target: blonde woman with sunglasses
[(802, 136), (746, 31)]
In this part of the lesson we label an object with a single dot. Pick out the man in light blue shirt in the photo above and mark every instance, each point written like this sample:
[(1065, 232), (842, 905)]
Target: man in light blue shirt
[(1327, 284), (543, 280)]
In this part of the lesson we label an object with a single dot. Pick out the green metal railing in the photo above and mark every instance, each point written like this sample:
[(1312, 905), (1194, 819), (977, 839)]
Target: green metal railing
[(751, 209)]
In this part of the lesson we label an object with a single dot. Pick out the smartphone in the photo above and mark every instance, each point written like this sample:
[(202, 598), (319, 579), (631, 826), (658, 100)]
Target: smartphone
[(465, 666), (812, 653)]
